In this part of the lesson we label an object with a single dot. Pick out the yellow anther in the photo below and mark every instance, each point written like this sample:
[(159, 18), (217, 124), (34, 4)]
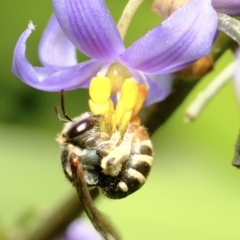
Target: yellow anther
[(129, 93), (142, 94), (119, 113), (97, 108), (131, 97), (111, 112), (100, 89), (125, 120), (106, 110)]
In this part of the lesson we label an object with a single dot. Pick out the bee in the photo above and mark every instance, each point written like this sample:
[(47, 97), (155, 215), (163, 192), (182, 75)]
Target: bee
[(116, 162)]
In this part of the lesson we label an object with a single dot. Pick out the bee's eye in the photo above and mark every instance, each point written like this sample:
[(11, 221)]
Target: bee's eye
[(81, 127)]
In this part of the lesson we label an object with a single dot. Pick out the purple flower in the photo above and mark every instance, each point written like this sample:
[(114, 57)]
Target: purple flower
[(231, 7), (80, 230), (185, 36)]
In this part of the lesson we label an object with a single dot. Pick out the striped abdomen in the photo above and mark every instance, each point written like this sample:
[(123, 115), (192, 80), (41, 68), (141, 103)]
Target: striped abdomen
[(134, 170)]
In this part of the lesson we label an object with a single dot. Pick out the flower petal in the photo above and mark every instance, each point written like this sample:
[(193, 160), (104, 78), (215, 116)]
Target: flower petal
[(80, 230), (54, 48), (231, 7), (178, 40), (51, 78), (90, 27), (159, 86)]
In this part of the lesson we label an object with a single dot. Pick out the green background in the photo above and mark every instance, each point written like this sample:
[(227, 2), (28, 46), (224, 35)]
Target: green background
[(193, 192)]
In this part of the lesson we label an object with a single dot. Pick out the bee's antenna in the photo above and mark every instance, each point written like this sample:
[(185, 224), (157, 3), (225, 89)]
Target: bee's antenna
[(62, 106), (67, 118)]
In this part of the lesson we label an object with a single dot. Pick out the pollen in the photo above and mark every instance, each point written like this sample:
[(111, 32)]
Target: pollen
[(129, 93)]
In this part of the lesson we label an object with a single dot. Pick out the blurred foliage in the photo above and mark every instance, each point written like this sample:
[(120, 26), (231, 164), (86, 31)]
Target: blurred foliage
[(193, 191)]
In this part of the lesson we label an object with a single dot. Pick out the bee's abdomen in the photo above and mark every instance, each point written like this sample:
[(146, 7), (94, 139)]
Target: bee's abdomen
[(134, 172)]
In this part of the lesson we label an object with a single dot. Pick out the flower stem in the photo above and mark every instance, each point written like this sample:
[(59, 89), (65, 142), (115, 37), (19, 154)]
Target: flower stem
[(207, 94), (230, 26), (127, 16)]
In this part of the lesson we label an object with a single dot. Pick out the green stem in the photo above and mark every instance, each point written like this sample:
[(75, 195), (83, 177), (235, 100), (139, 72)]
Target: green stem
[(127, 16), (230, 26)]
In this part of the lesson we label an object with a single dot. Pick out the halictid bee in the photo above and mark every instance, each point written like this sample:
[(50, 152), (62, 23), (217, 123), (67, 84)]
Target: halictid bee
[(116, 162)]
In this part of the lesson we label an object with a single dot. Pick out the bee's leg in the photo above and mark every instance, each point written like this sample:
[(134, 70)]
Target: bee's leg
[(95, 139), (112, 163), (98, 220), (105, 147)]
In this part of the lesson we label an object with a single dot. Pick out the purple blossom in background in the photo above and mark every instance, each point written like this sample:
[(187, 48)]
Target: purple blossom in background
[(231, 7), (80, 230), (89, 27)]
